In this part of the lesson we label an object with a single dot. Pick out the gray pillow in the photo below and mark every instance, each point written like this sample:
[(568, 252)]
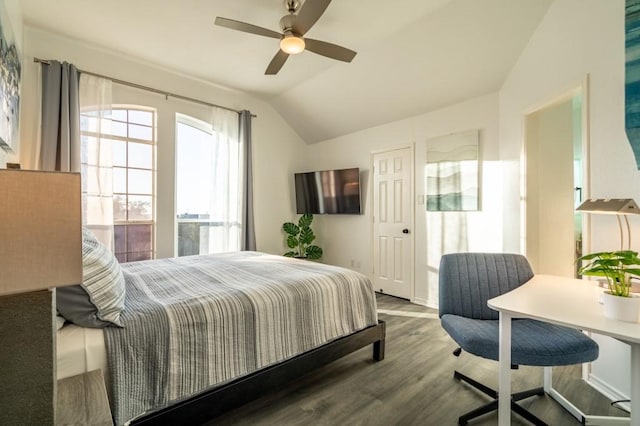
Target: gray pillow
[(99, 300)]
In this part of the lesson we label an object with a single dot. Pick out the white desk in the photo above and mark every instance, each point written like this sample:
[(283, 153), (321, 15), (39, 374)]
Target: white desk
[(565, 301)]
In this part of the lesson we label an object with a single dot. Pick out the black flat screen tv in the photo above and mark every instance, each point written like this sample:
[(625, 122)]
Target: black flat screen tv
[(328, 192)]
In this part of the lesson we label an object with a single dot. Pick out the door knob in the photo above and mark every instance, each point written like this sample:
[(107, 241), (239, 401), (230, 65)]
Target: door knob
[(405, 231)]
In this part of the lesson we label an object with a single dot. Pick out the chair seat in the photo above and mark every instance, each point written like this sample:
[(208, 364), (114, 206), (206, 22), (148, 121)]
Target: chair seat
[(532, 342)]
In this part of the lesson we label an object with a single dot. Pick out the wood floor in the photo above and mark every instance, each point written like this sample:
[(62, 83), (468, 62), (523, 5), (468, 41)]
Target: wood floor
[(413, 385)]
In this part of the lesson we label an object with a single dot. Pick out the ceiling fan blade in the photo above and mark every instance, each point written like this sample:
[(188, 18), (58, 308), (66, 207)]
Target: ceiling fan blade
[(247, 28), (277, 62), (329, 50), (310, 12)]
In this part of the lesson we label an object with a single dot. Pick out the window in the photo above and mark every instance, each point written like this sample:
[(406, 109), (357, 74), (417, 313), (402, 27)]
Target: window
[(207, 193), (131, 133)]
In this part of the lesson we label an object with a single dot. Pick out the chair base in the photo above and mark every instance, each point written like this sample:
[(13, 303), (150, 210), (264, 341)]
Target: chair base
[(493, 405)]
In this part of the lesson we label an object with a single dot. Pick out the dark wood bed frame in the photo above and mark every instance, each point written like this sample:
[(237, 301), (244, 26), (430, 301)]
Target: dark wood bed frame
[(210, 404)]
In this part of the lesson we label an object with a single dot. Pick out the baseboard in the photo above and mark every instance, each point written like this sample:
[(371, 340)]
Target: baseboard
[(610, 392), (425, 302)]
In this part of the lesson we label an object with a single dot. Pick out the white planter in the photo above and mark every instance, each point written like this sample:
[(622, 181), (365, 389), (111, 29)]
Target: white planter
[(622, 308)]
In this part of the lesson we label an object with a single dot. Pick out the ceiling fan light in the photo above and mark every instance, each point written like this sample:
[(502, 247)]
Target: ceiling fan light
[(292, 44)]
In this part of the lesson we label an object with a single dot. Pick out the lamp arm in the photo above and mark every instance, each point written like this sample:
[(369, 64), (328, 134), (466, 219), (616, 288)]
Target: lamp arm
[(621, 233), (628, 232)]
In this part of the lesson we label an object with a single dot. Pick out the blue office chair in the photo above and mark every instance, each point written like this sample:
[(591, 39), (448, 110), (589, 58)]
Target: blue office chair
[(467, 281)]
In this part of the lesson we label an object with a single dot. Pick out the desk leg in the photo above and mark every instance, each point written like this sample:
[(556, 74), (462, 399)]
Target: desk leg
[(635, 384), (504, 374)]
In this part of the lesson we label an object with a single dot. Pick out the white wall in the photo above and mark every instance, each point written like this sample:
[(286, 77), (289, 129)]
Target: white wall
[(277, 150), (349, 237), (576, 38)]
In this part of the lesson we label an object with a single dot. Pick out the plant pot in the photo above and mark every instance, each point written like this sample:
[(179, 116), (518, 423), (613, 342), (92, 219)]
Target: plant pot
[(621, 308)]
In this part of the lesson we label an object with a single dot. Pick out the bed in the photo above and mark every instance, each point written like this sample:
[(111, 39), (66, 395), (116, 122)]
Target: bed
[(200, 335)]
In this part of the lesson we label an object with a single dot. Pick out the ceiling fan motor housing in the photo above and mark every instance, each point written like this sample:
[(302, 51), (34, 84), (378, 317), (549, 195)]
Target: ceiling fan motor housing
[(286, 23)]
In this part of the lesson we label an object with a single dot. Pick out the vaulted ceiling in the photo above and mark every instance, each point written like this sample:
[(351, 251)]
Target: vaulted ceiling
[(414, 56)]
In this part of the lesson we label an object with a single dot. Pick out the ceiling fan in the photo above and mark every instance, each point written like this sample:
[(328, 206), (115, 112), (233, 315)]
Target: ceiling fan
[(294, 26)]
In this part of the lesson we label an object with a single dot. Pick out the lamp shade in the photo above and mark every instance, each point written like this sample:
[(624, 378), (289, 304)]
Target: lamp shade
[(610, 205), (40, 230)]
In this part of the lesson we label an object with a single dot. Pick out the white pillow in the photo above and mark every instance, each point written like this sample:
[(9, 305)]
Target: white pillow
[(102, 279), (59, 322)]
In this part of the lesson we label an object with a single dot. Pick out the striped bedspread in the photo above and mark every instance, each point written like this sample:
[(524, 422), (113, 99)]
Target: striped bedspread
[(191, 323)]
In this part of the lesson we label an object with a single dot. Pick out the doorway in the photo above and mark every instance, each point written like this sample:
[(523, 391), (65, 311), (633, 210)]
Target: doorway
[(393, 222), (554, 157)]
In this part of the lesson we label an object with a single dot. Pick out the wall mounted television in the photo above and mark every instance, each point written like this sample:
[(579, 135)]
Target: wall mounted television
[(328, 191)]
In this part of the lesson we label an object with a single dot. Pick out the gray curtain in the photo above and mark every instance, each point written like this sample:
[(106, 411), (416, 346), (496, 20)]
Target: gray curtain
[(248, 241), (60, 132)]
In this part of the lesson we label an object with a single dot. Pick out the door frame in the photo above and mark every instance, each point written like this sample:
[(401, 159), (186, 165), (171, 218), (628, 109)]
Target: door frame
[(579, 88), (411, 206)]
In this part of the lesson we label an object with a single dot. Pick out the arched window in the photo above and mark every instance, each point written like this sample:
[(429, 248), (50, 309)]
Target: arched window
[(128, 133)]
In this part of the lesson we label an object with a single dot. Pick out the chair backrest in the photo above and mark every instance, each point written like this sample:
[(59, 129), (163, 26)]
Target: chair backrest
[(468, 280)]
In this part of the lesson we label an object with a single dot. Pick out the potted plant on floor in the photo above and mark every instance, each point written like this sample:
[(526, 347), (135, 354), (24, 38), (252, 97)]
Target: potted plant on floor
[(618, 267), (300, 237)]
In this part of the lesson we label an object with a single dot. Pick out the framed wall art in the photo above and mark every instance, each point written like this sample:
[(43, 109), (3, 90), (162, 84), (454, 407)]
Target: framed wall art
[(452, 173), (10, 70)]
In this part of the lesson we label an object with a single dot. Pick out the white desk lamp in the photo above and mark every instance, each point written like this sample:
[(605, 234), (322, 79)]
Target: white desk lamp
[(619, 207)]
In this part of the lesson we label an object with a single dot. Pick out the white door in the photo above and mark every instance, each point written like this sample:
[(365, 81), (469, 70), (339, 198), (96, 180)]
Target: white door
[(392, 223)]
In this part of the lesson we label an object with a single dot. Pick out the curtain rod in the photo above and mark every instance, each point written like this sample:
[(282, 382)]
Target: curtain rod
[(149, 89)]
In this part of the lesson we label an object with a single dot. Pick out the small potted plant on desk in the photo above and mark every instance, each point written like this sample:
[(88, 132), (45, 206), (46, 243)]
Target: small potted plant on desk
[(617, 267), (300, 237)]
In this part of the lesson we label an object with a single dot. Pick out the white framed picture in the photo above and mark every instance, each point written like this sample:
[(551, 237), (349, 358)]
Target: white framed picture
[(10, 73), (452, 172)]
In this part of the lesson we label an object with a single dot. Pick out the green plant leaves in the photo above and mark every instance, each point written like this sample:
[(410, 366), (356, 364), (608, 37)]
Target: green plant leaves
[(291, 228), (616, 266), (313, 252), (300, 237), (306, 235), (305, 220), (292, 242)]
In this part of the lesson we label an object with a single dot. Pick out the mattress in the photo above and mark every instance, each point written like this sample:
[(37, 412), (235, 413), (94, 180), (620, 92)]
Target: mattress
[(196, 322), (79, 350)]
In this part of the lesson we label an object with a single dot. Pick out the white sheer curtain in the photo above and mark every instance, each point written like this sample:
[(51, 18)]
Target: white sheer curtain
[(96, 157), (227, 179)]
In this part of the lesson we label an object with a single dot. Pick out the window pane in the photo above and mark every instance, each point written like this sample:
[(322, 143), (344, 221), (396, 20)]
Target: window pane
[(140, 207), (134, 257), (140, 155), (194, 170), (120, 238), (188, 238), (119, 114), (118, 129), (140, 132), (139, 238), (88, 146), (89, 124), (140, 182), (120, 180), (141, 117), (119, 153), (120, 208)]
